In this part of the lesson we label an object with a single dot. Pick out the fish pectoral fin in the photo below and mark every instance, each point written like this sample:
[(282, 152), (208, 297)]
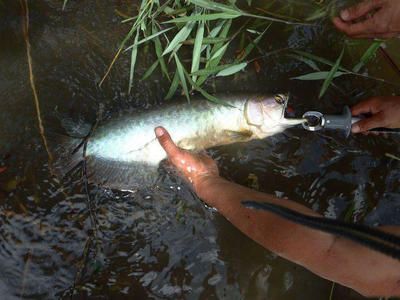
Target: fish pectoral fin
[(187, 144), (238, 136)]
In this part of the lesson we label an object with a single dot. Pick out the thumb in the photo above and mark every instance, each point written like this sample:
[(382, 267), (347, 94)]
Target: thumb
[(166, 142), (359, 10), (370, 123)]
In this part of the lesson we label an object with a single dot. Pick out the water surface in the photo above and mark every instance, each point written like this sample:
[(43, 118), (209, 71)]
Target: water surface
[(162, 242)]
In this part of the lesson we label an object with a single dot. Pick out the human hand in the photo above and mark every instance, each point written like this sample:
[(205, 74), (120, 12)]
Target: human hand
[(195, 168), (385, 112), (370, 19)]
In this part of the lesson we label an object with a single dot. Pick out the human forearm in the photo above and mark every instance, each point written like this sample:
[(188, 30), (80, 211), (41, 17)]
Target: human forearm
[(279, 235), (329, 256)]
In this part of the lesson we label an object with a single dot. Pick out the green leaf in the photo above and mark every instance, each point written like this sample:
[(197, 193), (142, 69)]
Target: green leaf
[(205, 94), (215, 6), (64, 4), (207, 41), (158, 49), (367, 56), (220, 52), (197, 48), (179, 38), (252, 45), (305, 60), (150, 70), (392, 156), (318, 14), (319, 59), (211, 71), (173, 87), (331, 74), (211, 63), (148, 38), (204, 17), (232, 69), (318, 75), (133, 62), (182, 78)]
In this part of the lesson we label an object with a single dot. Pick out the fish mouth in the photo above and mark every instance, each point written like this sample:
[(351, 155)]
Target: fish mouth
[(291, 122)]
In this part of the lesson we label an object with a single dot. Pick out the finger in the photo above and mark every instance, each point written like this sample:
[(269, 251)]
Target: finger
[(354, 29), (371, 105), (364, 125), (377, 35), (166, 142), (360, 10)]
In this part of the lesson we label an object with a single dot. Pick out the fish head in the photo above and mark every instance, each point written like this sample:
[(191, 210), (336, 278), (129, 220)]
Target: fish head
[(265, 115)]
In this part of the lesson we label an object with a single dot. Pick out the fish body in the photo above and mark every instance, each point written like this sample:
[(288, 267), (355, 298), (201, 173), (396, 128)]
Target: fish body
[(124, 153)]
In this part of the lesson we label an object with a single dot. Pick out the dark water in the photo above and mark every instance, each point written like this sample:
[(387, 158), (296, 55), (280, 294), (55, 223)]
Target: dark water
[(162, 242)]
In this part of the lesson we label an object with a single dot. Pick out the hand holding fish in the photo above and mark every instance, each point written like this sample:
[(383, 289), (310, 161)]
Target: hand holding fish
[(196, 168), (330, 256), (384, 111), (371, 19)]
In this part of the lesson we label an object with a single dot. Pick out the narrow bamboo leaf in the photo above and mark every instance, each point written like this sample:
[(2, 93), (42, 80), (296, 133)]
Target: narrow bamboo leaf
[(232, 69), (150, 70), (133, 62), (211, 71), (318, 14), (319, 59), (367, 56), (197, 48), (392, 156), (252, 45), (158, 49), (253, 31), (331, 74), (179, 38), (215, 6), (318, 75), (182, 78), (150, 37), (206, 41), (275, 19), (224, 33), (305, 60), (205, 94), (173, 87), (204, 17), (64, 4), (213, 62), (213, 33), (220, 52)]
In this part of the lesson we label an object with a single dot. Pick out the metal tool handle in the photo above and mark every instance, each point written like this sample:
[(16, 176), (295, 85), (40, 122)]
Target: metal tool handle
[(339, 122), (317, 121)]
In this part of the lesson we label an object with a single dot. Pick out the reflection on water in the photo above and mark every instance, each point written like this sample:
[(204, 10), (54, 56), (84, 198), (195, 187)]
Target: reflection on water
[(162, 242)]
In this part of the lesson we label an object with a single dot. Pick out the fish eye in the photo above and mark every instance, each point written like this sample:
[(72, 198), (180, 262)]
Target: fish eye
[(280, 98)]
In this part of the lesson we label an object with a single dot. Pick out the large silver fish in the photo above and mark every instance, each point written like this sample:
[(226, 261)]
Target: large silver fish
[(124, 153)]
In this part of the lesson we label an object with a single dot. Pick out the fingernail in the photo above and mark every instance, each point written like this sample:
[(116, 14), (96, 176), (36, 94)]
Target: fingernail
[(159, 132), (355, 129), (344, 14)]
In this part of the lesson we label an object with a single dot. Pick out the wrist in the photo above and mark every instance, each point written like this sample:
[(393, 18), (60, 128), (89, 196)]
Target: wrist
[(203, 185)]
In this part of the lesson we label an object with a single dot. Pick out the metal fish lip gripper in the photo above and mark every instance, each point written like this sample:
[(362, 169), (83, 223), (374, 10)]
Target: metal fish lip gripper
[(316, 121)]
